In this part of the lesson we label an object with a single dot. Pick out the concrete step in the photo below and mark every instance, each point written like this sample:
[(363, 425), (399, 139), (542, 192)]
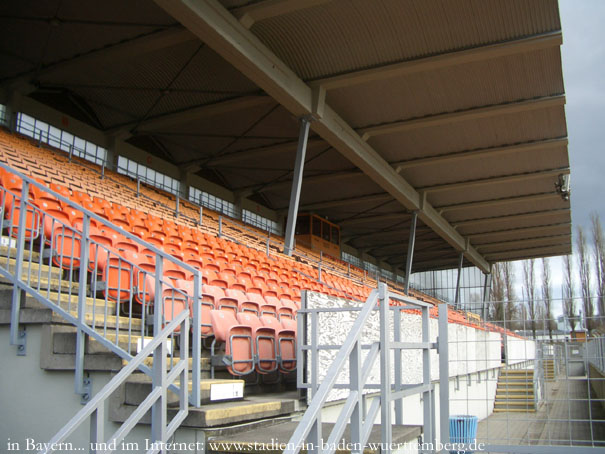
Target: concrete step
[(514, 397), (43, 284), (31, 269), (514, 403), (54, 341), (517, 372), (273, 436), (64, 299), (11, 252), (250, 408), (64, 342), (138, 387), (205, 365), (514, 410)]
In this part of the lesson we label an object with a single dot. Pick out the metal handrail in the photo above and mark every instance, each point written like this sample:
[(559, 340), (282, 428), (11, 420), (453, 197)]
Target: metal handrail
[(308, 434), (21, 285), (95, 407)]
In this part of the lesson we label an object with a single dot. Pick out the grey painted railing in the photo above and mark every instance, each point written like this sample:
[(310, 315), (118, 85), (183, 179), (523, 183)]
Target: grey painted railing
[(595, 353), (161, 428), (308, 433), (67, 291)]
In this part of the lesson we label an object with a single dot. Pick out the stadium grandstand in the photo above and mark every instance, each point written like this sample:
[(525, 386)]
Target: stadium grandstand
[(219, 217)]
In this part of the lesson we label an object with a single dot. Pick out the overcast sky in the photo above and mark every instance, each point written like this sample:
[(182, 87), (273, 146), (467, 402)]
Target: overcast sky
[(583, 55)]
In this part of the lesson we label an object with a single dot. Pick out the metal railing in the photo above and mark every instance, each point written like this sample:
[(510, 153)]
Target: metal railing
[(308, 433), (595, 353), (161, 429), (60, 271)]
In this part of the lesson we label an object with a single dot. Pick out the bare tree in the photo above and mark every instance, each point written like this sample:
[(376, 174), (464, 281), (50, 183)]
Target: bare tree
[(529, 288), (546, 296), (584, 266), (498, 294), (569, 303), (510, 311), (598, 243)]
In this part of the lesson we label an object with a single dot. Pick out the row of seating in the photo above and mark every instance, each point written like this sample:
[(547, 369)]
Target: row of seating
[(54, 168)]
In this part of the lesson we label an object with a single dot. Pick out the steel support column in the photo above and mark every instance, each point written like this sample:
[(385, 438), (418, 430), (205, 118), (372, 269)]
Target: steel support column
[(410, 254), (299, 165), (457, 299), (486, 288)]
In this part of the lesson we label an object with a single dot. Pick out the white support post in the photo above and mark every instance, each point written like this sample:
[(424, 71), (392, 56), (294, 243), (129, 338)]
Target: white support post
[(444, 389), (386, 427), (410, 254), (296, 185)]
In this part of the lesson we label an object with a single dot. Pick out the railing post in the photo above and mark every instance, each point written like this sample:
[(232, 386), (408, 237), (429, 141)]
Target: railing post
[(16, 335), (220, 225), (196, 343), (176, 206), (158, 373), (138, 186), (444, 389), (97, 428), (427, 396), (81, 337), (71, 152), (201, 214), (355, 373), (398, 371), (315, 434), (386, 428)]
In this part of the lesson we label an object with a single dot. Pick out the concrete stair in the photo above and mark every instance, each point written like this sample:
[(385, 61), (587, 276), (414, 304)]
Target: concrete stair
[(549, 369), (226, 401), (515, 391)]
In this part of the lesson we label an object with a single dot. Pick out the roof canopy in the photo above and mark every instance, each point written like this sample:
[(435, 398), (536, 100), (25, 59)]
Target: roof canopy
[(453, 109)]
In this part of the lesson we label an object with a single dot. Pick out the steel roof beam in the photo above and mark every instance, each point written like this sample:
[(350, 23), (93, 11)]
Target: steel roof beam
[(345, 202), (110, 54), (519, 231), (254, 153), (449, 118), (222, 32), (486, 248), (548, 250), (376, 218), (285, 184), (165, 121), (498, 202), (440, 61), (526, 147), (496, 180), (250, 14), (511, 217)]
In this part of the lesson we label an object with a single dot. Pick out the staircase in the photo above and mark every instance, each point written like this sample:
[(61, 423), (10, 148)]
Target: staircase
[(225, 400), (515, 391), (549, 369)]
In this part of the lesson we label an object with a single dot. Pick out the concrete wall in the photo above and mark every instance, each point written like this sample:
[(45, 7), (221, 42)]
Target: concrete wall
[(519, 350), (596, 379), (472, 394), (470, 350), (36, 403)]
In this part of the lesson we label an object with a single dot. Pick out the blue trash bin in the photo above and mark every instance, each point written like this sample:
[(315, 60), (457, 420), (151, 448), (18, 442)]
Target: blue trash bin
[(463, 429)]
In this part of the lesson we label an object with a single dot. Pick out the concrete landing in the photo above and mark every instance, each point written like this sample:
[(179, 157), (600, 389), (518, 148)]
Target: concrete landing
[(273, 439), (250, 408)]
